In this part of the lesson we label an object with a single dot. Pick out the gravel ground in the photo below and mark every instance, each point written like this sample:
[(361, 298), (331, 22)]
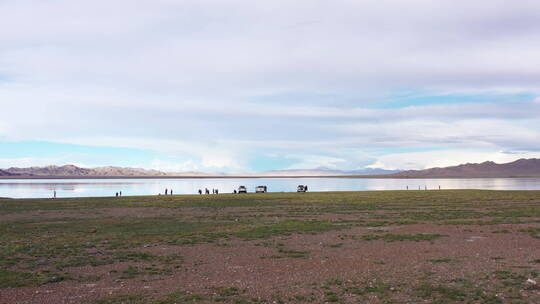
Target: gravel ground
[(334, 266)]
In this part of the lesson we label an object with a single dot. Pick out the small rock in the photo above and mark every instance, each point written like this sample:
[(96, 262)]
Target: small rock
[(531, 282)]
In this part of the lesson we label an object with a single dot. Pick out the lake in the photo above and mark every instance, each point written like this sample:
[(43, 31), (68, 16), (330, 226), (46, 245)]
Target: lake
[(42, 188)]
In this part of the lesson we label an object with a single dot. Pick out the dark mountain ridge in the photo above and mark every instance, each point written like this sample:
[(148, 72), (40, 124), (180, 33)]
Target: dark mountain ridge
[(519, 168), (6, 173)]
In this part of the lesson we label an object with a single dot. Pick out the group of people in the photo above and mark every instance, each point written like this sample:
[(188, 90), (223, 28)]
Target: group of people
[(168, 191), (425, 187), (206, 191)]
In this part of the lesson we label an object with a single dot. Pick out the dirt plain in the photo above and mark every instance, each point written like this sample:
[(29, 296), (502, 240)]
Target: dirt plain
[(460, 246)]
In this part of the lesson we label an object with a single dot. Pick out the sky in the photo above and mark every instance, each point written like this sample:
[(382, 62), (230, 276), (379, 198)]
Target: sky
[(248, 86)]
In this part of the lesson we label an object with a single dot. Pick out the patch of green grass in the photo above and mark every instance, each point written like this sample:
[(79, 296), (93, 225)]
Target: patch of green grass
[(228, 291), (509, 278), (331, 296), (288, 227), (430, 291), (402, 237), (293, 253), (130, 272), (88, 278), (337, 282), (501, 231), (338, 245), (122, 299), (231, 295), (19, 279), (134, 271), (16, 279), (180, 297), (380, 288), (133, 256), (441, 214), (83, 260), (533, 232), (443, 260)]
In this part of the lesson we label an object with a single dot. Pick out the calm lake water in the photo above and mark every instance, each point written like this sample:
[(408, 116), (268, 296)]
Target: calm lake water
[(40, 188)]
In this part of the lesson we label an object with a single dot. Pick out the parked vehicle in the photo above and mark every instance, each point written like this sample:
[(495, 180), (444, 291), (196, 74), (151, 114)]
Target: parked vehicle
[(301, 188), (242, 189), (260, 189)]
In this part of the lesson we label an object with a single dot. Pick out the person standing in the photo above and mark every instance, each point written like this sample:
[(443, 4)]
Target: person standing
[(217, 191), (171, 191), (200, 192), (54, 194), (116, 194), (166, 191)]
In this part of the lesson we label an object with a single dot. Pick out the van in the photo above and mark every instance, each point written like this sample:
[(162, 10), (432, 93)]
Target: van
[(301, 188), (260, 189)]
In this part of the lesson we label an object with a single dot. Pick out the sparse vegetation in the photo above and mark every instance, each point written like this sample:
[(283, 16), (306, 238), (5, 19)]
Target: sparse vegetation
[(144, 239)]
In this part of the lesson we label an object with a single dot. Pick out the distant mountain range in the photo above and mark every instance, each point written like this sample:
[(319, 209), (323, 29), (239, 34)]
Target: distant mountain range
[(518, 168), (71, 170), (5, 173), (74, 171)]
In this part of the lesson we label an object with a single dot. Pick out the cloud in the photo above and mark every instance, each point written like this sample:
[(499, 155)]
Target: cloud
[(313, 79), (29, 162), (165, 166)]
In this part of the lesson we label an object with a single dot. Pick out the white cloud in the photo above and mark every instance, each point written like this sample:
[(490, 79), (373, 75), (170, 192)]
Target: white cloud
[(167, 166), (316, 161), (283, 77), (24, 162)]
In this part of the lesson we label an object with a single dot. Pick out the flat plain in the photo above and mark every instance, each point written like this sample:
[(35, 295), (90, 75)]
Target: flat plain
[(438, 246)]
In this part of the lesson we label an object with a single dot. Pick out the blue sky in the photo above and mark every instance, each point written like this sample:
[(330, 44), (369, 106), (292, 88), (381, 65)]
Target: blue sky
[(238, 86)]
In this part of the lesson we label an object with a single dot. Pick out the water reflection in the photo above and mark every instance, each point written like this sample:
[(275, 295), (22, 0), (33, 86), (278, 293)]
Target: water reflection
[(108, 187)]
